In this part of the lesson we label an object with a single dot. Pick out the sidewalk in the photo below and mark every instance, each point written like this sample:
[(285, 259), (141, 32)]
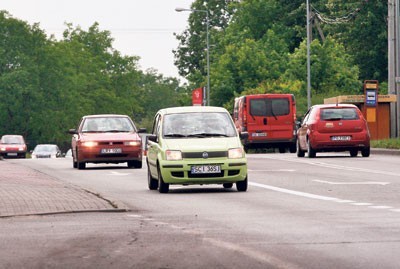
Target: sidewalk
[(24, 191)]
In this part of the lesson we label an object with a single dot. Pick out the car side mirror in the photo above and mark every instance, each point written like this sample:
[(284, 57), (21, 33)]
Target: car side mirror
[(152, 138), (72, 131), (244, 135)]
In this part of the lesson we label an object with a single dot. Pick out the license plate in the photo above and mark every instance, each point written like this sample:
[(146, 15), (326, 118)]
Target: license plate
[(12, 154), (205, 169), (258, 134), (111, 151), (341, 138)]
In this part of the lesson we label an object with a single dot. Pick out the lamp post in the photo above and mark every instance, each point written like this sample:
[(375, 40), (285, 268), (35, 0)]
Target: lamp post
[(308, 56), (178, 9)]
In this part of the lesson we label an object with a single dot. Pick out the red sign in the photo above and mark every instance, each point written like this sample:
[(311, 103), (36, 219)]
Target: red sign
[(197, 97)]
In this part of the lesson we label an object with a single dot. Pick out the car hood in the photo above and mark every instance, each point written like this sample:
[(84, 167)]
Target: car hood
[(109, 136), (202, 144)]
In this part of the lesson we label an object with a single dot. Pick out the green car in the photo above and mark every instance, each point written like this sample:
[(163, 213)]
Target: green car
[(195, 145)]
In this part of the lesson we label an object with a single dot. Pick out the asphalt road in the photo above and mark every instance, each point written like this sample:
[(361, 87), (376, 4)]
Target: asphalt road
[(333, 211)]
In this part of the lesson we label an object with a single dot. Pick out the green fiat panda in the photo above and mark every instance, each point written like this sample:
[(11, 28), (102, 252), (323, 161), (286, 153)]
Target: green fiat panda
[(195, 145)]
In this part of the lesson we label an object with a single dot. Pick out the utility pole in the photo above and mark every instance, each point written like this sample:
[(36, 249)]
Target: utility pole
[(397, 60), (308, 55), (392, 67)]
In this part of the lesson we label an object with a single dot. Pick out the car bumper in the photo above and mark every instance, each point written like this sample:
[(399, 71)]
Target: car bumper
[(179, 172), (93, 155), (324, 142)]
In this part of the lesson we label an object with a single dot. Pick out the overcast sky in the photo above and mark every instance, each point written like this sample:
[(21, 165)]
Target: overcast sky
[(142, 28)]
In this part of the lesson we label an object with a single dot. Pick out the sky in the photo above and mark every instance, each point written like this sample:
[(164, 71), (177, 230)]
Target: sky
[(141, 28)]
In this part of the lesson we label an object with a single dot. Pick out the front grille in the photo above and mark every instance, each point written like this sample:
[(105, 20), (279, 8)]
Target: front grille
[(196, 155), (111, 143), (190, 175)]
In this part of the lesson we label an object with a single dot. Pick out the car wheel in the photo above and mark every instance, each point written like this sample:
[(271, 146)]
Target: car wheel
[(311, 152), (228, 185), (80, 165), (300, 152), (293, 148), (135, 164), (162, 186), (74, 164), (353, 153), (365, 152), (242, 185), (152, 182)]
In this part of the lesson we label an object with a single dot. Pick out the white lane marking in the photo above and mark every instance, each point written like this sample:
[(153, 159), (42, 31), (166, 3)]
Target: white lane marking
[(271, 170), (119, 173), (381, 207), (298, 193), (318, 197), (362, 204), (353, 183), (328, 165)]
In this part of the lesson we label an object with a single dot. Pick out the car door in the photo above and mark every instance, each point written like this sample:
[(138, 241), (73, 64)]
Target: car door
[(153, 147), (303, 130)]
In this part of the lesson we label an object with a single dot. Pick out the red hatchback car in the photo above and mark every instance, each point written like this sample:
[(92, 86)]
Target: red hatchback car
[(106, 138), (13, 146), (340, 127)]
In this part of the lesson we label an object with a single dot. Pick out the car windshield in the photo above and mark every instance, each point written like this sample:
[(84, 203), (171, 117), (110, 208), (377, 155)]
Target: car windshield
[(12, 140), (45, 148), (107, 124), (347, 113), (198, 124)]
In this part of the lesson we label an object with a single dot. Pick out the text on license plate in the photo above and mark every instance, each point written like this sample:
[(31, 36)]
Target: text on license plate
[(258, 134), (205, 169), (111, 151), (341, 138)]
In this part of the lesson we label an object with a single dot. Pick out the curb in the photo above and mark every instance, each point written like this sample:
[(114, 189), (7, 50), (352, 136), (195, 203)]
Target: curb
[(383, 151)]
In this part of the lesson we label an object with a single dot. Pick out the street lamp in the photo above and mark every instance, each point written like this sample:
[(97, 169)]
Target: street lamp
[(308, 56), (178, 9)]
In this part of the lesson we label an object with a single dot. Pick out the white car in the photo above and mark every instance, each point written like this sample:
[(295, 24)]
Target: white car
[(46, 151)]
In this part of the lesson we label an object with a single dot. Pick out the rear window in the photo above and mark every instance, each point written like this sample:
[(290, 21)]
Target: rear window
[(339, 114), (269, 107)]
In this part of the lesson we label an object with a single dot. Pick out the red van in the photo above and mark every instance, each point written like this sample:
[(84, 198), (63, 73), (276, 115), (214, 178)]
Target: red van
[(269, 120)]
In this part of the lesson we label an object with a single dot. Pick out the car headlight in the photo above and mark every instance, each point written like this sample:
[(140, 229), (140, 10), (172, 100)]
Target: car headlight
[(173, 155), (3, 149), (132, 143), (235, 153), (89, 144)]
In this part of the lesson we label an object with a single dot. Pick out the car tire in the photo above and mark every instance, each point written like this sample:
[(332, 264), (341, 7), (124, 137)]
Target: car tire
[(353, 153), (293, 148), (227, 185), (300, 152), (311, 152), (151, 181), (135, 164), (242, 185), (81, 165), (365, 152), (162, 186), (74, 164)]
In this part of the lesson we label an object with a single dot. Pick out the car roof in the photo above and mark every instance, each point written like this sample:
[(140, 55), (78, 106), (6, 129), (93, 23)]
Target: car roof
[(105, 116), (191, 109), (335, 106)]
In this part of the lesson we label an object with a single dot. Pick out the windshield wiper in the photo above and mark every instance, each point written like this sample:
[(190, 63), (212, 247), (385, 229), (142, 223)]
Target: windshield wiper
[(174, 135), (207, 135)]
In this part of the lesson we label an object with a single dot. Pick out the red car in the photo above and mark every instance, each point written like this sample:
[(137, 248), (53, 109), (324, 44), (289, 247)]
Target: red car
[(340, 127), (13, 146), (106, 138)]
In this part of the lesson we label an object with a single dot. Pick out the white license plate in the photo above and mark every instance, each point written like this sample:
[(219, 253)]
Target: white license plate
[(111, 151), (205, 169), (258, 134), (341, 138), (12, 154)]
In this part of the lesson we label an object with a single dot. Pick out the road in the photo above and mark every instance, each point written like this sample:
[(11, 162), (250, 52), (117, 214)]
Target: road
[(332, 211)]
